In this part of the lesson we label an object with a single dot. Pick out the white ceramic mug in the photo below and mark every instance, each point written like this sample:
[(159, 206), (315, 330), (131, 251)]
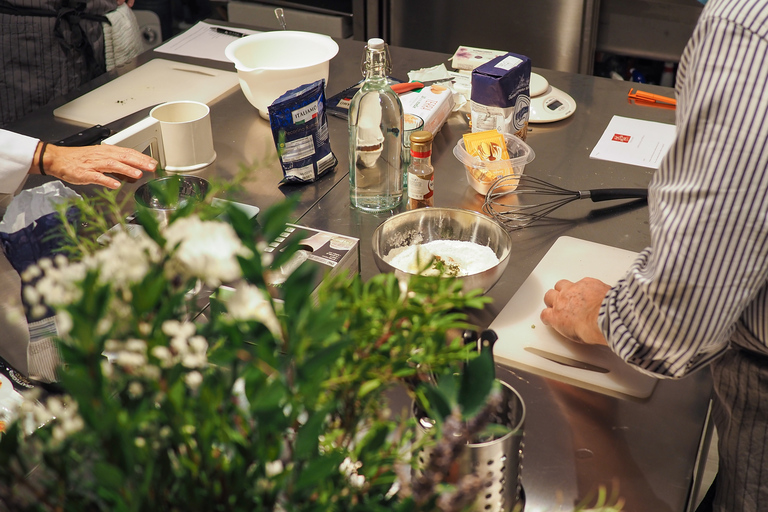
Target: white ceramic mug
[(178, 134)]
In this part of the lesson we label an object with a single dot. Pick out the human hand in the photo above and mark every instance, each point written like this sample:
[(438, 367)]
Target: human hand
[(572, 309), (129, 2), (88, 164)]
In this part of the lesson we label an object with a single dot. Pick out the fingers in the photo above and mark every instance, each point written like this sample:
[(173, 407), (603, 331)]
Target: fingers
[(560, 286), (89, 164), (572, 309)]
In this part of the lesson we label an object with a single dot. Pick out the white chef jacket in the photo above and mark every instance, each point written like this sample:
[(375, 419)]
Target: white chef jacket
[(16, 154)]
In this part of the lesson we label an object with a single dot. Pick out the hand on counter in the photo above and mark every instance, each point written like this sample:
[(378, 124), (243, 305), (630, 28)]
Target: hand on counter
[(88, 164), (572, 309)]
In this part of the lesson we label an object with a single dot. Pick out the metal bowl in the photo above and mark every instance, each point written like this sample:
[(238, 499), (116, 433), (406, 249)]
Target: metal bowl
[(428, 224), (163, 196)]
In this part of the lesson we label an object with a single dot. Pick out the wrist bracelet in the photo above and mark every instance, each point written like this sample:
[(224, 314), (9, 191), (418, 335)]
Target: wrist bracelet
[(40, 160)]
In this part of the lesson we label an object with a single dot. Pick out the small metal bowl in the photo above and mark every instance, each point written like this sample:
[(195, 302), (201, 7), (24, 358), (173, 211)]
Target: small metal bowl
[(163, 196), (428, 224)]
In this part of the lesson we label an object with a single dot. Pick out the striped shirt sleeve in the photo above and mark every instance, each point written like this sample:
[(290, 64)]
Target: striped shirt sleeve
[(704, 276)]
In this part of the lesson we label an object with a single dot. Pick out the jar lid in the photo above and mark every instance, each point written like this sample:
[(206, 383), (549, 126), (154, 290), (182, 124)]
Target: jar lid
[(421, 141)]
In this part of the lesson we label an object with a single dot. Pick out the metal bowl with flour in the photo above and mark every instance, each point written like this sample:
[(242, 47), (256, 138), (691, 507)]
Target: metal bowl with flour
[(424, 225)]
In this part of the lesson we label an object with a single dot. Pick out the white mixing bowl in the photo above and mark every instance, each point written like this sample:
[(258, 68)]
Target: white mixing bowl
[(271, 63)]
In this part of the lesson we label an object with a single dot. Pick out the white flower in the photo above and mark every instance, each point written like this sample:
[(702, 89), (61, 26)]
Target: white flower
[(190, 360), (357, 481), (31, 272), (273, 468), (187, 429), (55, 406), (179, 345), (130, 360), (193, 380), (140, 442), (103, 326), (238, 392), (134, 345), (60, 260), (249, 303), (31, 295), (176, 329), (163, 354), (113, 346), (145, 329), (348, 467), (170, 327), (63, 323), (126, 260), (198, 344), (207, 250), (135, 389), (151, 372), (106, 368), (64, 411), (38, 311)]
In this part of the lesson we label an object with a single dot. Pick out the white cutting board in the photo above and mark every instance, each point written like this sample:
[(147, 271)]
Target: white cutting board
[(518, 325), (157, 81)]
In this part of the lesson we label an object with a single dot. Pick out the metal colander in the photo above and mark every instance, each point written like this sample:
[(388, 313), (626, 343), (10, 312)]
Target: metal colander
[(498, 461)]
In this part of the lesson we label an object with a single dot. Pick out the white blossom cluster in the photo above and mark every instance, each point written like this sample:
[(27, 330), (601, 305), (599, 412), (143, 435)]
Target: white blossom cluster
[(126, 260), (131, 357), (349, 469), (248, 302), (61, 412), (206, 250), (185, 348)]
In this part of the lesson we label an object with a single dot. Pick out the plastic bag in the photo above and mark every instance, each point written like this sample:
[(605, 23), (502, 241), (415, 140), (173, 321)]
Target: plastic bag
[(300, 130), (29, 230)]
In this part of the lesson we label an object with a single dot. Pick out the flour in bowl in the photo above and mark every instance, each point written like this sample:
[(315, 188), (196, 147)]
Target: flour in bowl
[(451, 258)]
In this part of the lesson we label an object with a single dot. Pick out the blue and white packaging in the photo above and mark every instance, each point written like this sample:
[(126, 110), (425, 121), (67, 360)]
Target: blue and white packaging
[(300, 131), (501, 97)]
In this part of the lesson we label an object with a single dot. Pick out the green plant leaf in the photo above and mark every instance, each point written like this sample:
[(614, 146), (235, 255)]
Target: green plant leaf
[(434, 402), (307, 437), (367, 387), (108, 475), (318, 469), (476, 383)]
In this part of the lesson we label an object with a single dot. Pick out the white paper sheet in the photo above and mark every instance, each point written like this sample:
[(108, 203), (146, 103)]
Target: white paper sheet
[(634, 141), (202, 40)]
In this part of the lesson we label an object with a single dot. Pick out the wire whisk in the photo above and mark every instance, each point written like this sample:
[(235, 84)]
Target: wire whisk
[(520, 200)]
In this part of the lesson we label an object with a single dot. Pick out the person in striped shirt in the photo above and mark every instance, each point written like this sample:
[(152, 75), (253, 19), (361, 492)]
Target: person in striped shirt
[(698, 296)]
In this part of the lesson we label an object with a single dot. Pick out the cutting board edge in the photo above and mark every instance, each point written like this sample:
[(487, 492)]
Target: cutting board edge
[(549, 374), (69, 111)]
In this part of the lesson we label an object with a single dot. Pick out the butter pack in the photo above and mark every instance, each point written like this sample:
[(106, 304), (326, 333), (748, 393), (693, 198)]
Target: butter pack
[(433, 104), (501, 96)]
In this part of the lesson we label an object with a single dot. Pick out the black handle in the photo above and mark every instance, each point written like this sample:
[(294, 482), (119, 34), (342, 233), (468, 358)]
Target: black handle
[(92, 135), (483, 341), (607, 194)]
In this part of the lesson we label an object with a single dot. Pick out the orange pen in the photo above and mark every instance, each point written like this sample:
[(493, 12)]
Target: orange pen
[(648, 97)]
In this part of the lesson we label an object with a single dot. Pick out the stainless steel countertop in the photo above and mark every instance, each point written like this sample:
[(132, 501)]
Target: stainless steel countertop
[(576, 440)]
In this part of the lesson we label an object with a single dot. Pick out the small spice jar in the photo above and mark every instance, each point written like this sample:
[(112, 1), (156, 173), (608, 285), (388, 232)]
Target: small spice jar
[(421, 174)]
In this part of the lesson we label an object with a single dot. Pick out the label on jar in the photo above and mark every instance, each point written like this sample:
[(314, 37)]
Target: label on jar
[(420, 187)]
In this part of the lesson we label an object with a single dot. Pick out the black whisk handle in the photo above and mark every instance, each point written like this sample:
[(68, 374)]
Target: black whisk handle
[(608, 194)]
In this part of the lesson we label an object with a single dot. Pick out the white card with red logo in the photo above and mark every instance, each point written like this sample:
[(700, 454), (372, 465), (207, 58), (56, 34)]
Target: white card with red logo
[(635, 142)]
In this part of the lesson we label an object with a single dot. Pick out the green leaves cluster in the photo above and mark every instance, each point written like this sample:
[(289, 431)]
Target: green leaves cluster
[(315, 417)]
